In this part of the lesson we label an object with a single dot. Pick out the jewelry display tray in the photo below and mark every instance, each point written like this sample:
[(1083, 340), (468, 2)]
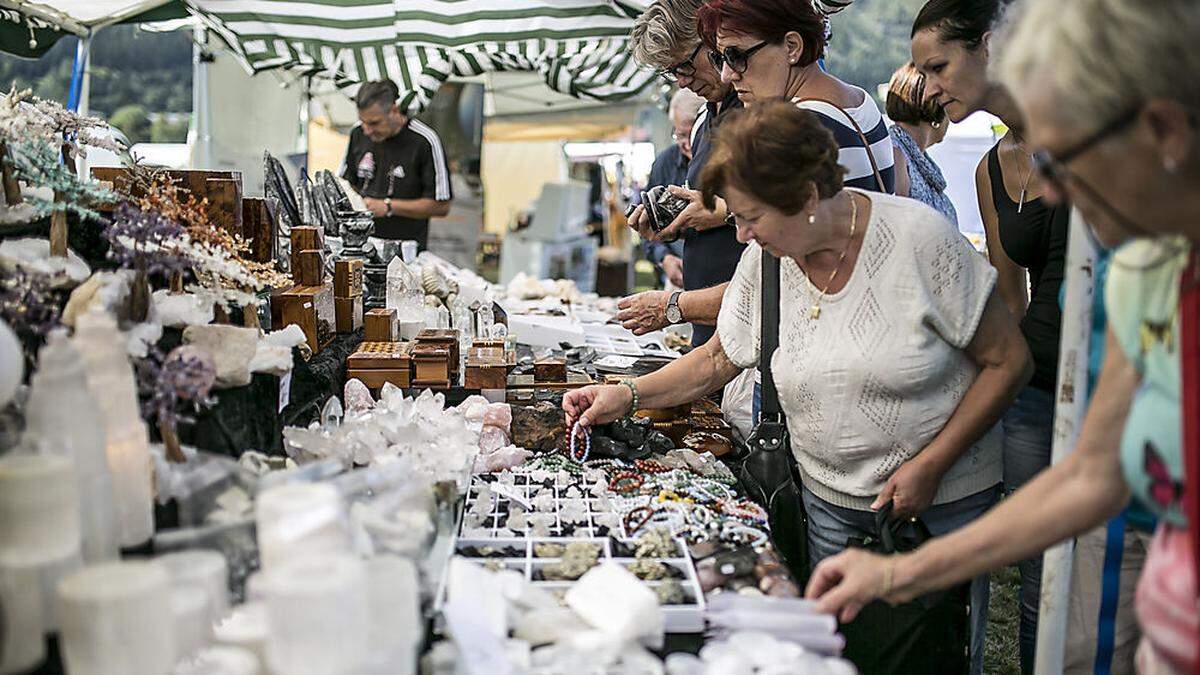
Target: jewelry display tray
[(518, 554), (494, 523)]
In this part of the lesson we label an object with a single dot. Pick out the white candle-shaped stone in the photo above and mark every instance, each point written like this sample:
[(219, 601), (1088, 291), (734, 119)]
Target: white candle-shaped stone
[(244, 628), (205, 570), (22, 641), (39, 509), (116, 620), (63, 419), (189, 611), (395, 615), (127, 446), (317, 611), (297, 519)]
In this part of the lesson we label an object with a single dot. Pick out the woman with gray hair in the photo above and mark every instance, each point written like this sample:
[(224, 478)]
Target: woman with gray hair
[(1110, 91)]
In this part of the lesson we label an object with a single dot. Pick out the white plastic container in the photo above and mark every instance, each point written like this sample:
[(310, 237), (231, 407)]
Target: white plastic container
[(116, 620)]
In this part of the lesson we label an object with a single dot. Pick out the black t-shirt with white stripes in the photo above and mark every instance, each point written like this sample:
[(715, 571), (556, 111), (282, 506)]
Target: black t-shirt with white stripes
[(409, 165)]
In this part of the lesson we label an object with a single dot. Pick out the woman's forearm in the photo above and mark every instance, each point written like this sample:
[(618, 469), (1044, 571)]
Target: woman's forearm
[(1063, 501), (690, 377), (1069, 498), (701, 306)]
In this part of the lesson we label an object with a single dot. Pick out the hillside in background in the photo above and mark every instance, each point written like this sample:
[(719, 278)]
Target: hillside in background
[(142, 81), (148, 74)]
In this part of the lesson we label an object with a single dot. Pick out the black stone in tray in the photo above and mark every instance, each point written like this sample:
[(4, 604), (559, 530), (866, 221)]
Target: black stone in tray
[(657, 442), (610, 448), (494, 552)]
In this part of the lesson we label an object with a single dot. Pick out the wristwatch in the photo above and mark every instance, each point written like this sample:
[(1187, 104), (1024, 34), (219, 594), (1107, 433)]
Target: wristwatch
[(387, 205), (674, 314)]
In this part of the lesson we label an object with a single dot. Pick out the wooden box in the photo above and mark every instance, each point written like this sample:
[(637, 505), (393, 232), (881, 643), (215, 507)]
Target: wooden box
[(380, 356), (311, 308), (348, 278), (487, 368), (307, 239), (376, 378), (222, 189), (348, 313), (379, 325), (308, 268), (550, 370), (431, 366), (444, 338)]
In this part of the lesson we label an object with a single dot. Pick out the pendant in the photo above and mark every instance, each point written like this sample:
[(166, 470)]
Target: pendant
[(1021, 204), (815, 312)]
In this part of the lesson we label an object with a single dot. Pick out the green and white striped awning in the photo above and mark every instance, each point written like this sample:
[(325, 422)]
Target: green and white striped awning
[(579, 46)]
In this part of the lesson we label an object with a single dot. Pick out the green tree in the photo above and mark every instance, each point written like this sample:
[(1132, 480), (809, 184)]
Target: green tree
[(165, 131), (871, 40), (133, 121)]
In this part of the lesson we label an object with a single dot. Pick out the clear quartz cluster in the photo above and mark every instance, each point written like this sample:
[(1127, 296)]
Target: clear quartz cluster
[(439, 442)]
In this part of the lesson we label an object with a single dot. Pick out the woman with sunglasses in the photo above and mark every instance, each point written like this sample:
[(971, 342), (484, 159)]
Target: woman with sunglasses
[(1109, 91), (769, 49), (1026, 235)]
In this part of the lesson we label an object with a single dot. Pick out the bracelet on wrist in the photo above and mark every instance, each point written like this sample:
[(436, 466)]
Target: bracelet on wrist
[(633, 405)]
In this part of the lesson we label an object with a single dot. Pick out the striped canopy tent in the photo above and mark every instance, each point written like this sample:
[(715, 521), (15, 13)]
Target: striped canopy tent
[(580, 47)]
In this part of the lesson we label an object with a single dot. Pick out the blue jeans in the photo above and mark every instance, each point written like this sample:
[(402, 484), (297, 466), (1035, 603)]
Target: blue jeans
[(1028, 434), (830, 527)]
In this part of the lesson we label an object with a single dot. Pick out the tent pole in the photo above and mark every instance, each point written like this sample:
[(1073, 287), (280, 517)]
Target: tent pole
[(1072, 399), (201, 111), (80, 73)]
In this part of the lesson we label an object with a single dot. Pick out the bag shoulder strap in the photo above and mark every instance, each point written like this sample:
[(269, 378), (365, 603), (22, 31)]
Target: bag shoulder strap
[(769, 336), (1189, 306), (863, 136)]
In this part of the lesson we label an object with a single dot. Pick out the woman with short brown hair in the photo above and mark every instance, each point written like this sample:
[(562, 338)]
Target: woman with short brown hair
[(896, 358), (918, 123)]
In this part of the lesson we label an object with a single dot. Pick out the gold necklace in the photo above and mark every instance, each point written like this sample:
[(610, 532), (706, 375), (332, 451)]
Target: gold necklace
[(815, 311)]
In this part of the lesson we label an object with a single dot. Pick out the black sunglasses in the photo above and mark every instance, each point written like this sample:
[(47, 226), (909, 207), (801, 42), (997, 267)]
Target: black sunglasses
[(1053, 168), (737, 58), (685, 68)]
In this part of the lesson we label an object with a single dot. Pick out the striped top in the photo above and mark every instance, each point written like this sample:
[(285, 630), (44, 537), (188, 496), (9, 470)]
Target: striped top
[(853, 155)]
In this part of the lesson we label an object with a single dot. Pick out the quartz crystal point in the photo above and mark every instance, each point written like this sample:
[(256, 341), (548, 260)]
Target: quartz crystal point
[(110, 379), (63, 418)]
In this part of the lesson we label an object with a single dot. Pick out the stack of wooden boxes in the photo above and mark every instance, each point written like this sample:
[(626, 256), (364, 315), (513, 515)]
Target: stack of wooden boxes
[(348, 295), (435, 358), (309, 304), (488, 365), (381, 358)]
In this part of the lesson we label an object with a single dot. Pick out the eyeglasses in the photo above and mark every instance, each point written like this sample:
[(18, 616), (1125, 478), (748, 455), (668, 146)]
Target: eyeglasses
[(737, 58), (1053, 168), (684, 68)]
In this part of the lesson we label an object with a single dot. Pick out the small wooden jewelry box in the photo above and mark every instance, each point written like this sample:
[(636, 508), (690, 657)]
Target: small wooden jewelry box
[(550, 370), (378, 362), (348, 278), (431, 366), (445, 338), (487, 368), (379, 325), (309, 268)]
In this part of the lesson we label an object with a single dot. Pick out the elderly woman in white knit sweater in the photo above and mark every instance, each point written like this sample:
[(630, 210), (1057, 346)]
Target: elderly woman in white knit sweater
[(896, 357)]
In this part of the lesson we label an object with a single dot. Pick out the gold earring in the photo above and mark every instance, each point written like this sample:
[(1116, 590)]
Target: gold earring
[(812, 219)]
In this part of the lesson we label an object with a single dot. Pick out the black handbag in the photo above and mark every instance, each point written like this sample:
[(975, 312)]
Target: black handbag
[(930, 634), (765, 468)]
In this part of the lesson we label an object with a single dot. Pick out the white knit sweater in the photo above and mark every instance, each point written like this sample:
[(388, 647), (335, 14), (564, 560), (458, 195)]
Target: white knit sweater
[(871, 382)]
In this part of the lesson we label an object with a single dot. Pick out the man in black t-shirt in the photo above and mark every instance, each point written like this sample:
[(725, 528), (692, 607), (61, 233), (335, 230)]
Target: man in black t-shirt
[(397, 164)]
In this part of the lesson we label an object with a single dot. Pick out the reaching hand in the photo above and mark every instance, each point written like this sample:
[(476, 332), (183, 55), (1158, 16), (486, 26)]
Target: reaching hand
[(644, 312), (375, 206), (672, 266), (596, 404), (848, 581)]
